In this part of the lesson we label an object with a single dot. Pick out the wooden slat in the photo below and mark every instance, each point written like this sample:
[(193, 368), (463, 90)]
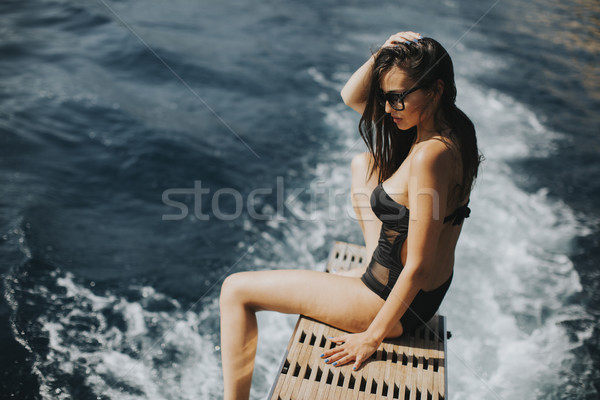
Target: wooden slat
[(304, 375), (283, 367), (389, 369)]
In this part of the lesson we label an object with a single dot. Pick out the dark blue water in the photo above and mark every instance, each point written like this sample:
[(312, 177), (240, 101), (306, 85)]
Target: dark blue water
[(148, 149)]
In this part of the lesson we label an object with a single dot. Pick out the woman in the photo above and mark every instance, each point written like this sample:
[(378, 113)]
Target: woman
[(422, 157)]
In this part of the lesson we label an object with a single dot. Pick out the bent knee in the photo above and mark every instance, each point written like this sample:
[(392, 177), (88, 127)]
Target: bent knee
[(361, 166), (234, 288)]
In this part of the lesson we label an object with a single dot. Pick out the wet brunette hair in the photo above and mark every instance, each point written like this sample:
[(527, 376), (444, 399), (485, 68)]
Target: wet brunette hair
[(424, 62)]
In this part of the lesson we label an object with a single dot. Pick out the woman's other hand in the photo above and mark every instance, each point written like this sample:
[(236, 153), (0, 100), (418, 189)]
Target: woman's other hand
[(357, 347)]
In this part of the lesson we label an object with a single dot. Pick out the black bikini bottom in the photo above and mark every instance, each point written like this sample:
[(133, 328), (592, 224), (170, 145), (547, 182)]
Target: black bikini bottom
[(422, 308)]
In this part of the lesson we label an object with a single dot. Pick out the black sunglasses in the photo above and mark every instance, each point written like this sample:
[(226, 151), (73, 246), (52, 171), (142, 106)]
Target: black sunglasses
[(396, 100)]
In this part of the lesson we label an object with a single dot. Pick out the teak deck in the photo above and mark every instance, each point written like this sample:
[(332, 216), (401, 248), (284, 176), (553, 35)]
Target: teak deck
[(412, 367)]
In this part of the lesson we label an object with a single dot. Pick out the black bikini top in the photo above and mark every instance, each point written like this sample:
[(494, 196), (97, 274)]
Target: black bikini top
[(395, 214)]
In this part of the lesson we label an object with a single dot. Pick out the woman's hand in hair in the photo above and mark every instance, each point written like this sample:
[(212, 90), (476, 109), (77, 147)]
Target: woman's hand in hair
[(402, 38)]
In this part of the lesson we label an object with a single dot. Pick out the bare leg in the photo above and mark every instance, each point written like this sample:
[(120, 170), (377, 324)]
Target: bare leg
[(343, 302), (239, 335), (362, 186)]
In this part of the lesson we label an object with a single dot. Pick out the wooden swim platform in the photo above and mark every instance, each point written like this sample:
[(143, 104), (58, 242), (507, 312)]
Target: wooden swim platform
[(412, 367)]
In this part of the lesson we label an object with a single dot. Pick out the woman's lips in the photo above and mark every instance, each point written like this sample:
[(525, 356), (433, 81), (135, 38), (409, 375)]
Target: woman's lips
[(397, 120)]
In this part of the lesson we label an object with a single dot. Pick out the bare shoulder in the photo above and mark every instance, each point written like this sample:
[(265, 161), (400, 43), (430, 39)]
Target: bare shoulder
[(433, 155)]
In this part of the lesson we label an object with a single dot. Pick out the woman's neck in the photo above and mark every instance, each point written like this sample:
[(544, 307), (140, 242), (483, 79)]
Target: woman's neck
[(426, 132), (430, 127)]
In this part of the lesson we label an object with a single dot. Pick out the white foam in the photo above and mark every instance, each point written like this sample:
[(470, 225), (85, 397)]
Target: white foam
[(513, 274), (154, 355)]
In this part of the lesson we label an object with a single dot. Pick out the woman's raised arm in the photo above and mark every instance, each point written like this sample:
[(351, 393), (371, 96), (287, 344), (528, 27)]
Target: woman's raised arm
[(355, 91)]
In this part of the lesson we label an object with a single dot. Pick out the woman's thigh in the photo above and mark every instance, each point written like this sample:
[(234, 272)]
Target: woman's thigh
[(340, 301)]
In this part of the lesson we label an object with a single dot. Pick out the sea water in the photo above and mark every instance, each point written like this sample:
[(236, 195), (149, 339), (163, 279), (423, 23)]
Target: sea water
[(149, 149)]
